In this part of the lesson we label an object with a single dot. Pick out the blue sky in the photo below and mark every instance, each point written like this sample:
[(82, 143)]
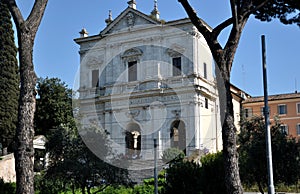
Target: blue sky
[(56, 54)]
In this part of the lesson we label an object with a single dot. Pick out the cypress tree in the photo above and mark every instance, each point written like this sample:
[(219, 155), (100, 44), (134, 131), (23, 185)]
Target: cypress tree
[(9, 79)]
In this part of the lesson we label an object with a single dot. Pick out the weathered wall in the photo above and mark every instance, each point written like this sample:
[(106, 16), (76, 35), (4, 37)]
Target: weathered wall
[(7, 168)]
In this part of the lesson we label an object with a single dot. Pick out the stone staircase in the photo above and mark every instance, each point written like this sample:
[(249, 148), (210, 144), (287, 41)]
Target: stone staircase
[(141, 169)]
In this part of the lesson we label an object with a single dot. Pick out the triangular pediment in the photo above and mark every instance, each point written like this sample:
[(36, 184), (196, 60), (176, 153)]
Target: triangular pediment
[(127, 19)]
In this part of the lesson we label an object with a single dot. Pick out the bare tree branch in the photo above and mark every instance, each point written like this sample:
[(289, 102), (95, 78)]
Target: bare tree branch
[(202, 27), (217, 30), (15, 11), (36, 14), (234, 14)]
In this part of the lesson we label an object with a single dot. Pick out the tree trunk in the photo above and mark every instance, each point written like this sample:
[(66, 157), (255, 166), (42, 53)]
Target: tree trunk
[(83, 189), (24, 153), (232, 177)]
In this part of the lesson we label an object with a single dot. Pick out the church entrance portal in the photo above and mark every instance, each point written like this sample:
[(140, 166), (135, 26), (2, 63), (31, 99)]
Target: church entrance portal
[(133, 141)]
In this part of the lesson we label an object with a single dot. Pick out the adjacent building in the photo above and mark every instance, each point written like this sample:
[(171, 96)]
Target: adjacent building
[(284, 106)]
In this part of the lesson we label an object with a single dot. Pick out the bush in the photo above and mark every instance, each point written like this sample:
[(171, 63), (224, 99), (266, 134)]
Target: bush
[(183, 177), (189, 177), (212, 173), (7, 188), (172, 154)]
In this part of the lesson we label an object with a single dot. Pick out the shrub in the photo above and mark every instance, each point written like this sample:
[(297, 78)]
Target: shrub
[(183, 177), (172, 154), (212, 173), (7, 188)]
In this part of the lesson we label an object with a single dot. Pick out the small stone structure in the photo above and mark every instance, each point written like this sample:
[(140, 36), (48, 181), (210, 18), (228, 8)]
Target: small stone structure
[(7, 168)]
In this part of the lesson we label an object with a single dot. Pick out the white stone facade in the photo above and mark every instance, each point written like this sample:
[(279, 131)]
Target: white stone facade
[(142, 79)]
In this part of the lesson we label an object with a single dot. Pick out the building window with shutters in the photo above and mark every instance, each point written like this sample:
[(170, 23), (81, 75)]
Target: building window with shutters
[(282, 110), (248, 112), (298, 129), (298, 108)]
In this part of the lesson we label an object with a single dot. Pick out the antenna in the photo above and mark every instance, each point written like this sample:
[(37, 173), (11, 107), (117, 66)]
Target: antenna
[(296, 86), (243, 76)]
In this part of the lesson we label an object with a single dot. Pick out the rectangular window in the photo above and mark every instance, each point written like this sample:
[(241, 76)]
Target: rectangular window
[(248, 112), (262, 111), (282, 110), (132, 71), (298, 108), (205, 70), (176, 64), (95, 78), (298, 129), (284, 129), (206, 103)]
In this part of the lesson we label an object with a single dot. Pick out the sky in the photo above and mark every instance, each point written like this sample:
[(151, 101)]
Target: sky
[(56, 53)]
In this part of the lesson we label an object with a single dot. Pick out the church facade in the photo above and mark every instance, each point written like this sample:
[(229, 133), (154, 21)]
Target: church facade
[(142, 78)]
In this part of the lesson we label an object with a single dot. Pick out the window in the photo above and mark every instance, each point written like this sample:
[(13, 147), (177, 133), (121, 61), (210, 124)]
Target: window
[(282, 109), (176, 64), (284, 129), (298, 108), (132, 71), (262, 112), (95, 78), (205, 70), (248, 112), (298, 129), (206, 103)]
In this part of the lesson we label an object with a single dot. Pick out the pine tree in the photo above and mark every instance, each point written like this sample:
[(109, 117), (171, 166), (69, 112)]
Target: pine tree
[(9, 78)]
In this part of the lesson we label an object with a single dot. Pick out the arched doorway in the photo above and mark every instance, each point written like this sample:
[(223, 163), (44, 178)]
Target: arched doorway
[(133, 141), (178, 135)]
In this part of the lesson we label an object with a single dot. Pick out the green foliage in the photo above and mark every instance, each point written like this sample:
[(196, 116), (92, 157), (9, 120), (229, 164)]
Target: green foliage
[(252, 151), (53, 106), (286, 11), (172, 154), (137, 189), (49, 186), (183, 177), (9, 78), (75, 164), (7, 188), (212, 173), (189, 177)]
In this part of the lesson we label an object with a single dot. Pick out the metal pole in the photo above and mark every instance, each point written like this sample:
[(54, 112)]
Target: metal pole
[(271, 189), (155, 167)]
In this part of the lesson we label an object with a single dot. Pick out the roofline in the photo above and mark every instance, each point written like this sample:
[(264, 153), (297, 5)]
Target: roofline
[(285, 96), (116, 20)]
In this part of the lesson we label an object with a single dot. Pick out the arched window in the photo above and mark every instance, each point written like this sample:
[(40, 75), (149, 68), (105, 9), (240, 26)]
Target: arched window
[(178, 135), (133, 141)]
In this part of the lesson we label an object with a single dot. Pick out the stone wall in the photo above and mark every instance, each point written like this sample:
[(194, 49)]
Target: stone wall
[(7, 168)]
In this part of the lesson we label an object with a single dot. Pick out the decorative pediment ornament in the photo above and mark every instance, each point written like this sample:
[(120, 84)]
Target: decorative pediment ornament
[(132, 54), (132, 114), (176, 113), (130, 19), (175, 50), (95, 61)]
